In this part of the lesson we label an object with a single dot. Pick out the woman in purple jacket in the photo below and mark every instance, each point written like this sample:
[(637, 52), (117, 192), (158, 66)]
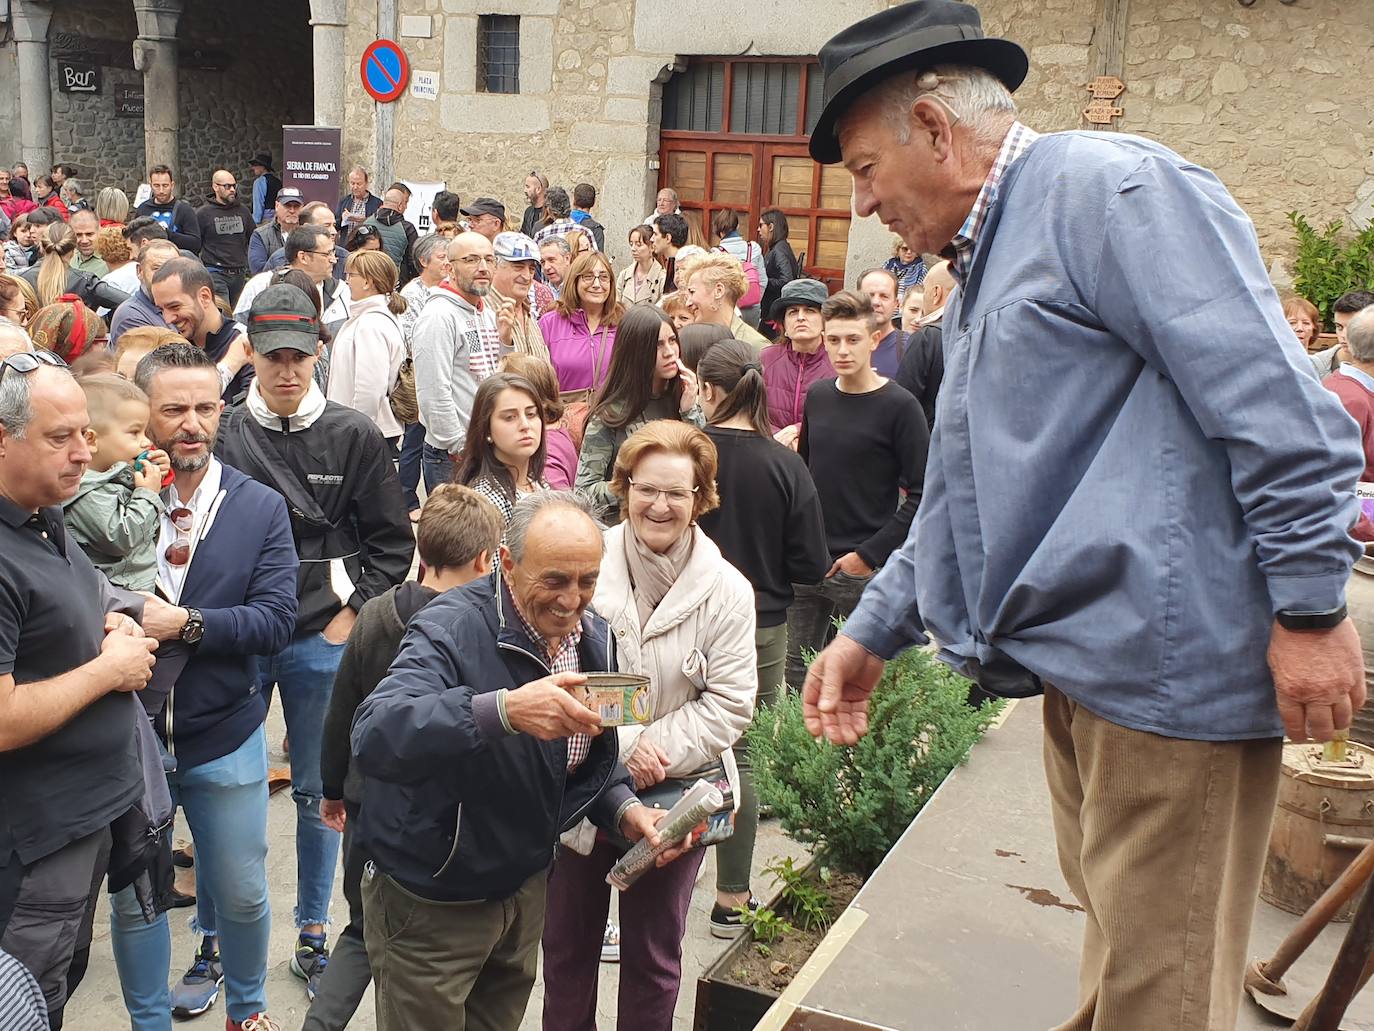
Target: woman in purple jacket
[(580, 332), (798, 359)]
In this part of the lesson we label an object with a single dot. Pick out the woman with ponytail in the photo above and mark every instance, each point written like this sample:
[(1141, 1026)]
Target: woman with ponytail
[(769, 527), (53, 276), (367, 353)]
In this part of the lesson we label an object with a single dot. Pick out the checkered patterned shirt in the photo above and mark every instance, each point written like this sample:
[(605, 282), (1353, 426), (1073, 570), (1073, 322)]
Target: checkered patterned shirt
[(960, 251), (561, 227), (564, 660)]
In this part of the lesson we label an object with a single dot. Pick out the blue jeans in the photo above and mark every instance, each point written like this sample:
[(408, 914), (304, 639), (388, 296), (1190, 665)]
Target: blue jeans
[(412, 448), (225, 802), (304, 673), (437, 467)]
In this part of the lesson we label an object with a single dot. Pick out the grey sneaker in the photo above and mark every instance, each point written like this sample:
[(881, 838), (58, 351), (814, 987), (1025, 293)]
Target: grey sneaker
[(199, 987), (309, 960)]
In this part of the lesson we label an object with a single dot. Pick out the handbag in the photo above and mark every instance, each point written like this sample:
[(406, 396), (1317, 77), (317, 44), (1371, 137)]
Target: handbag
[(666, 794), (404, 404), (754, 293), (579, 402)]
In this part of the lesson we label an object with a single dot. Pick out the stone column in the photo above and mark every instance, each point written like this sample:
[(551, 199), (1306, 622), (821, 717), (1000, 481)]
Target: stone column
[(30, 21), (155, 55), (329, 19)]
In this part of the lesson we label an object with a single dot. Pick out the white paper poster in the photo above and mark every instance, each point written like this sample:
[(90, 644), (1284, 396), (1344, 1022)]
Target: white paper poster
[(421, 202)]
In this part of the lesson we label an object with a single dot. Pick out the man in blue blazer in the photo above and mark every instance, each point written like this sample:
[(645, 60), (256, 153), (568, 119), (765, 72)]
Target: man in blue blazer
[(227, 571)]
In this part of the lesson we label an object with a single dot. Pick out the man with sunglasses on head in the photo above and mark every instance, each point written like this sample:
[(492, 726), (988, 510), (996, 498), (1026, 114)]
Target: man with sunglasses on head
[(226, 227), (226, 582), (69, 664), (354, 540)]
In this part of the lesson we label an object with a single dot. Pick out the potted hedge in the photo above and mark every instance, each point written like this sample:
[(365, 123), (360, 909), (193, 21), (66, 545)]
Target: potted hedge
[(1328, 263), (850, 805)]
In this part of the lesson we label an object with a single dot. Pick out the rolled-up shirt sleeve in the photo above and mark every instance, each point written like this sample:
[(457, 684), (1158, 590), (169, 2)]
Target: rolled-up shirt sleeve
[(1181, 280)]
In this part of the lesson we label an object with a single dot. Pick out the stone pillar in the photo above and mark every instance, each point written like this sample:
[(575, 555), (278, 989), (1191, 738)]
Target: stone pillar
[(30, 21), (155, 55), (329, 19)]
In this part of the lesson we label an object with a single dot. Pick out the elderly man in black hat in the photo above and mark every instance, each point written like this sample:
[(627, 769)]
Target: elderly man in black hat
[(1137, 501), (486, 215)]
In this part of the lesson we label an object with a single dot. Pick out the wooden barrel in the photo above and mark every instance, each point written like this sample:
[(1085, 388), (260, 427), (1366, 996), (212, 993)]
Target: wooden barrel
[(1325, 816)]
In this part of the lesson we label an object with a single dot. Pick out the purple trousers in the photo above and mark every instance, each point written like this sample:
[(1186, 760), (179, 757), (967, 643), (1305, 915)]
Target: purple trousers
[(653, 919)]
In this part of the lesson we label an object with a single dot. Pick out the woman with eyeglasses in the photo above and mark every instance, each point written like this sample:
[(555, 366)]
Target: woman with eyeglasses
[(906, 265), (370, 346), (646, 381), (580, 332), (683, 617)]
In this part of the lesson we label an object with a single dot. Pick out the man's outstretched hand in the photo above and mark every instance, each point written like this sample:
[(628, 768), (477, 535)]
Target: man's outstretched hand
[(835, 695)]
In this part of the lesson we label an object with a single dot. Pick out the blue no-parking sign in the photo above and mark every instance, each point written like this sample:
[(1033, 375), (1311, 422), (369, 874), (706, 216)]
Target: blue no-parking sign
[(385, 70)]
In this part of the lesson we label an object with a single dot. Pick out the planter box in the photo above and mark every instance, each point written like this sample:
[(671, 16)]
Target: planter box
[(723, 1005)]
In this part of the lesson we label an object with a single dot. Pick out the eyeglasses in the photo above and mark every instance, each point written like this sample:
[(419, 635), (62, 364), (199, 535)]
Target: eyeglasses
[(226, 186), (178, 553), (674, 495), (326, 254), (591, 278), (27, 361), (477, 260)]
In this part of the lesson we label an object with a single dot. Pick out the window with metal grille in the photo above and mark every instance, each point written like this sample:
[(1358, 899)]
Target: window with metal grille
[(693, 101), (498, 53)]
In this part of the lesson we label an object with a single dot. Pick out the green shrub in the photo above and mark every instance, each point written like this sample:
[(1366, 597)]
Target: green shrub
[(851, 804), (1327, 266)]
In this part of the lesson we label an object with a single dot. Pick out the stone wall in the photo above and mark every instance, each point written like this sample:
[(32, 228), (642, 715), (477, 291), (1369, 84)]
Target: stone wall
[(226, 115), (1273, 98)]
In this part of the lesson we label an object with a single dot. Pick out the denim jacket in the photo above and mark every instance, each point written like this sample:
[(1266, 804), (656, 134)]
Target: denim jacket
[(1133, 467)]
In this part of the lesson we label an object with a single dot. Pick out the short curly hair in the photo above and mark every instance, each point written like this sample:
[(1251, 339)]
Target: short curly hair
[(671, 437)]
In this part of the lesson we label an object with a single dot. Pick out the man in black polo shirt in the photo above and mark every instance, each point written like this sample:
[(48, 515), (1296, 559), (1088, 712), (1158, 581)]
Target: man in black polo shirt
[(69, 762)]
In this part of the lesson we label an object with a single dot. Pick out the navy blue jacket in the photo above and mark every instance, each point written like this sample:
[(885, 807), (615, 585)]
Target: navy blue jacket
[(242, 578), (454, 808), (371, 205)]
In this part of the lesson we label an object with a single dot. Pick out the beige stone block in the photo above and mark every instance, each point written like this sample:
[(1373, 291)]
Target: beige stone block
[(1059, 54), (460, 55), (610, 17), (1252, 54), (536, 55), (1239, 31), (634, 75), (728, 27), (1180, 114), (627, 109), (1180, 53), (605, 136), (541, 8), (1338, 157), (494, 113), (1229, 78), (568, 60), (1321, 107), (1143, 35), (1168, 86)]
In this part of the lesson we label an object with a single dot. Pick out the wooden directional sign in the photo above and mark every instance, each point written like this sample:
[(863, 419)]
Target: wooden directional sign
[(1107, 87), (1101, 112)]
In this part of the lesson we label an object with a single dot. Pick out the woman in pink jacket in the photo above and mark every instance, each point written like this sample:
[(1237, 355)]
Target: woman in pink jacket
[(366, 355), (580, 332)]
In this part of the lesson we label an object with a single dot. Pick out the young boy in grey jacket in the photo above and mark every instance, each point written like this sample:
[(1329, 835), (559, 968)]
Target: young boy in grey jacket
[(115, 513)]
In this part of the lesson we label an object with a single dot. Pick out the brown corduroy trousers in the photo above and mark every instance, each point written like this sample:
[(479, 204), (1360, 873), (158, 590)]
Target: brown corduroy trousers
[(1163, 842)]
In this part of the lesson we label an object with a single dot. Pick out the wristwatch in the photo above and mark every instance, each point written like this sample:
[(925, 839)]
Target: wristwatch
[(1295, 620), (194, 629)]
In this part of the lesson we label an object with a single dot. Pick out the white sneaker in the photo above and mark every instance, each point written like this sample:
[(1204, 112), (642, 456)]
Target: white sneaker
[(610, 943)]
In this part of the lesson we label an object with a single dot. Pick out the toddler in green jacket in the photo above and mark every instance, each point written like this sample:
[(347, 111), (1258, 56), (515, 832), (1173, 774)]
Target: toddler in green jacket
[(115, 513)]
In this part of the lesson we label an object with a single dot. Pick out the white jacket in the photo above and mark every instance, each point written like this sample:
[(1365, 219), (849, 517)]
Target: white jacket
[(364, 361), (697, 651)]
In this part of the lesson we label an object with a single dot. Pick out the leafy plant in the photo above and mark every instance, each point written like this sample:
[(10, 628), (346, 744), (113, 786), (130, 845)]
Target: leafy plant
[(1328, 266), (768, 927), (808, 904), (853, 803)]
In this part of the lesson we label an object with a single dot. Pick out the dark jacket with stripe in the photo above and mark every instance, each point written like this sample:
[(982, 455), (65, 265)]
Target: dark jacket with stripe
[(454, 808)]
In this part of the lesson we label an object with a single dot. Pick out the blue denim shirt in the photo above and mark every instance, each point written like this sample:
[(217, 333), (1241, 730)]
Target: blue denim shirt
[(1133, 467)]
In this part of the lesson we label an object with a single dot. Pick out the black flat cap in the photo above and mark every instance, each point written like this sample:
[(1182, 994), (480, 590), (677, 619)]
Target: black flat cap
[(912, 36)]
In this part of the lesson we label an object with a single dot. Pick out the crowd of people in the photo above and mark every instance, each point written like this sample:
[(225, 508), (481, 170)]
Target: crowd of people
[(228, 431)]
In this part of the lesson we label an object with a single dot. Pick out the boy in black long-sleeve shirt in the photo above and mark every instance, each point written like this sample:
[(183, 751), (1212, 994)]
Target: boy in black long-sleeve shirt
[(864, 439)]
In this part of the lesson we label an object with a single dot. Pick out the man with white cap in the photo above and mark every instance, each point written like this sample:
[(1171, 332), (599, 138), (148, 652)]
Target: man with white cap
[(512, 291), (1137, 501)]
